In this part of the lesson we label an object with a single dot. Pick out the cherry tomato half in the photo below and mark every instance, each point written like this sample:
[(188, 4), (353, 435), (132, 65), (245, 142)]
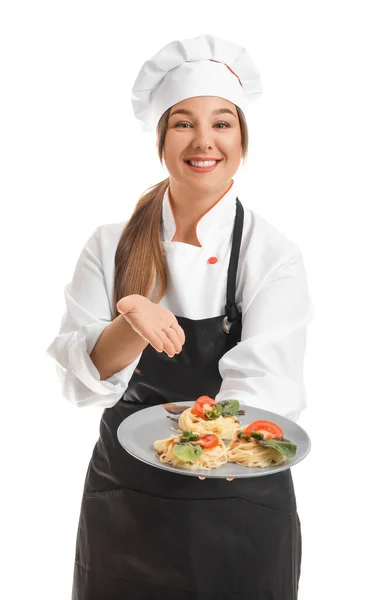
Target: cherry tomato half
[(207, 441), (198, 408), (269, 429)]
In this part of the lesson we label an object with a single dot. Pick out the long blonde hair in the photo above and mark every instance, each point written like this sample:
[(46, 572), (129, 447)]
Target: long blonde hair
[(139, 258)]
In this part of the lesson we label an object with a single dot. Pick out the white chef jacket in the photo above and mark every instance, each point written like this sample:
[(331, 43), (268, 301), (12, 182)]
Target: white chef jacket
[(264, 370)]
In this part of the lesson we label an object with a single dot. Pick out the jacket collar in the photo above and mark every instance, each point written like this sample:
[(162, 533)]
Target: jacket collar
[(220, 216)]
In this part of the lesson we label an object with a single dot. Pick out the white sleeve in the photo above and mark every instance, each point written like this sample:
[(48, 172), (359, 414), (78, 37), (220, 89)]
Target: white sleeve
[(87, 314), (265, 369)]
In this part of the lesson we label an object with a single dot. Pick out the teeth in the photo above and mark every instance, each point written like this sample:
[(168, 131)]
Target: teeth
[(206, 163)]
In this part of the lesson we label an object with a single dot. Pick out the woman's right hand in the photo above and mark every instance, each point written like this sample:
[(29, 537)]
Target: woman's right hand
[(154, 323)]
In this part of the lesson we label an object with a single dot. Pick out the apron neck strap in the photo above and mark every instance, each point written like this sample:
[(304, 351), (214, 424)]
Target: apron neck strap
[(231, 309)]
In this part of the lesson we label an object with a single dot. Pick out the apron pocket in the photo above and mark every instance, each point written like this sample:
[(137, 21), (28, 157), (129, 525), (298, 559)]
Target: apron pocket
[(219, 545)]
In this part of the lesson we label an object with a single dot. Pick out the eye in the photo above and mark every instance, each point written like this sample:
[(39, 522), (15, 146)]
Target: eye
[(182, 123), (185, 125)]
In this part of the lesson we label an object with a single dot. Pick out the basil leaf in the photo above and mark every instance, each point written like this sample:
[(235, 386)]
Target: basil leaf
[(285, 447), (187, 451), (228, 408)]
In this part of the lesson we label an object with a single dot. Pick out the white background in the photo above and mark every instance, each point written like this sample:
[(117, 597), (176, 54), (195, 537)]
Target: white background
[(73, 157)]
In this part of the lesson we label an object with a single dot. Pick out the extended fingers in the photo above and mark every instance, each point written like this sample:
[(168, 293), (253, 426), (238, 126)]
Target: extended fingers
[(174, 339), (179, 331)]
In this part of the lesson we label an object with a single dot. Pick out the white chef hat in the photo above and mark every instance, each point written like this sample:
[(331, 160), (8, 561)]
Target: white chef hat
[(202, 66)]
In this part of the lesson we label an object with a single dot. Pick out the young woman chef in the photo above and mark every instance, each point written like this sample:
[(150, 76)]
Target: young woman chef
[(194, 295)]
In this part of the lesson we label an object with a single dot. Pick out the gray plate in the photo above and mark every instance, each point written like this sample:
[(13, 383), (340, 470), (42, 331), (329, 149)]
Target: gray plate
[(138, 432)]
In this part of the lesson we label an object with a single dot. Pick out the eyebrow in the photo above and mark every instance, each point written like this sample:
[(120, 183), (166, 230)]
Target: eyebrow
[(217, 111)]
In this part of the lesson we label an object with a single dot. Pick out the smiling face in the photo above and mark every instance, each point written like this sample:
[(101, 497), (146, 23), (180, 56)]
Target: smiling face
[(203, 128)]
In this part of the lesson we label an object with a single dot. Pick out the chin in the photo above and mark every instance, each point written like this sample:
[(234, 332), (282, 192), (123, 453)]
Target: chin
[(204, 185)]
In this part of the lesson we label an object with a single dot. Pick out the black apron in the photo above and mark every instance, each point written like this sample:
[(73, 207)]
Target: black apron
[(146, 533)]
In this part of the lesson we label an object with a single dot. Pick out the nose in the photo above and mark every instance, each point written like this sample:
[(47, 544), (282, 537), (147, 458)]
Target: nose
[(203, 138)]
